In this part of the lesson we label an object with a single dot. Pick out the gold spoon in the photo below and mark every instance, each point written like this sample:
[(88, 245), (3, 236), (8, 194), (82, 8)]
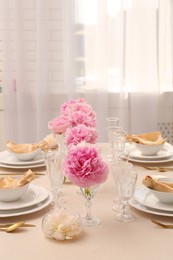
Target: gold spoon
[(13, 226), (166, 226)]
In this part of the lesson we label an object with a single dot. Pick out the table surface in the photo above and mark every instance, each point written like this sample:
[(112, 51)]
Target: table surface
[(112, 239)]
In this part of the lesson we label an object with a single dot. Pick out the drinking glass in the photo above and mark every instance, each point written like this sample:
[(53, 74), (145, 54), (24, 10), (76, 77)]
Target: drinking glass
[(119, 140), (116, 139), (117, 169), (126, 186), (53, 160), (112, 121)]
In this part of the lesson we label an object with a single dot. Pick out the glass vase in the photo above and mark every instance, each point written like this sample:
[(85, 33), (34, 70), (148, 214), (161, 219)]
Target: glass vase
[(89, 220)]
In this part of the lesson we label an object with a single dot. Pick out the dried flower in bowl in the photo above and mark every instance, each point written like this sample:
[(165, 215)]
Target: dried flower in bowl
[(61, 225)]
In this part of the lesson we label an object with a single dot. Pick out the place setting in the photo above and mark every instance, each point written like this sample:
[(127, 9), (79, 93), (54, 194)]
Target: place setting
[(155, 196), (26, 155), (148, 148), (19, 196)]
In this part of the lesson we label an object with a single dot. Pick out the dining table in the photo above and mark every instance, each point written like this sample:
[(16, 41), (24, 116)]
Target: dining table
[(140, 239)]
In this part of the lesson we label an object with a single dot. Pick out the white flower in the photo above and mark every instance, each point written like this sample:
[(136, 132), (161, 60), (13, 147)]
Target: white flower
[(60, 225)]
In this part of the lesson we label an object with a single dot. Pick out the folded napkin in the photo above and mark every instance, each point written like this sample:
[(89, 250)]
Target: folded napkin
[(157, 185), (46, 144), (21, 148), (151, 138), (9, 183)]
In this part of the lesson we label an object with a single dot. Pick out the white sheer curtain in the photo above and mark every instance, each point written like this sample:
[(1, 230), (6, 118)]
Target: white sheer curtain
[(128, 54), (116, 54)]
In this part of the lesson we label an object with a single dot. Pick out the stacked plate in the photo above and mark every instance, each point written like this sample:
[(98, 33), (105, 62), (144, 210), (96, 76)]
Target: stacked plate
[(134, 155), (34, 200), (7, 160), (145, 201)]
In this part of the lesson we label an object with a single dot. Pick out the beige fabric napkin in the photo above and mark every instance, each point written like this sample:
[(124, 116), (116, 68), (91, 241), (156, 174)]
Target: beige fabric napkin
[(9, 183), (21, 148), (151, 138), (46, 144), (157, 185)]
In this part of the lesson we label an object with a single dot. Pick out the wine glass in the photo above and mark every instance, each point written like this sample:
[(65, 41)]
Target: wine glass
[(117, 169), (89, 220), (126, 186)]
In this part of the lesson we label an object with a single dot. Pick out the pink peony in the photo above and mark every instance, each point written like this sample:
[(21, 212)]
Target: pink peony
[(79, 112), (58, 124), (80, 133), (84, 167), (64, 108), (79, 117)]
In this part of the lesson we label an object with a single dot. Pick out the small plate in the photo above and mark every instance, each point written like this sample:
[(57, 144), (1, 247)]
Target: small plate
[(8, 159), (27, 210), (146, 198), (35, 195)]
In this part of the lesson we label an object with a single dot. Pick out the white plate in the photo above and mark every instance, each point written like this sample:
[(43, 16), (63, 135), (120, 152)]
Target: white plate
[(22, 166), (35, 195), (163, 154), (27, 210), (8, 159), (141, 207), (146, 198)]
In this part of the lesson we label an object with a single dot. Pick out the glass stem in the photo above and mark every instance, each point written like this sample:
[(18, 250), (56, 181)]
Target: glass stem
[(124, 208), (88, 207)]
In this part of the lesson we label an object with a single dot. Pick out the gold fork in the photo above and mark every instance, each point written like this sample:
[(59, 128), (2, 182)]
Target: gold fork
[(166, 226)]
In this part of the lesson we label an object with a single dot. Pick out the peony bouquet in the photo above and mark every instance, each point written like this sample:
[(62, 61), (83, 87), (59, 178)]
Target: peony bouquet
[(80, 133), (84, 167), (72, 113)]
